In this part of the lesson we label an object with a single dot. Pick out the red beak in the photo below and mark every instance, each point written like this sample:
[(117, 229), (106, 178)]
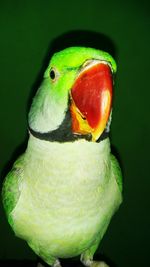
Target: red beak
[(91, 100)]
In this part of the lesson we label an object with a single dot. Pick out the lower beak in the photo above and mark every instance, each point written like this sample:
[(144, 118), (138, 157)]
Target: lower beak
[(91, 100)]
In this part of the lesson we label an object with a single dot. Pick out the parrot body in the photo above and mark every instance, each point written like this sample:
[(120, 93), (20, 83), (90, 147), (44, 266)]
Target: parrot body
[(62, 192)]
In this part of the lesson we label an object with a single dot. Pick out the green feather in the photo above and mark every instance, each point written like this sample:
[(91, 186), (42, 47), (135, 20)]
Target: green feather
[(117, 171), (10, 190)]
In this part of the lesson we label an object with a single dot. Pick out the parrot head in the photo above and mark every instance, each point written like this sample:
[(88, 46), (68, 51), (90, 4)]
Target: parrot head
[(75, 97)]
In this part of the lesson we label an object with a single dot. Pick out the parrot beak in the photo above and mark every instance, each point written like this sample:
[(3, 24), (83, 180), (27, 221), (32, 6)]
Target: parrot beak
[(91, 98)]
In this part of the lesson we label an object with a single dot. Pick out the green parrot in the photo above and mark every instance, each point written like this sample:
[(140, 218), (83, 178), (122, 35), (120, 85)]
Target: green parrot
[(62, 192)]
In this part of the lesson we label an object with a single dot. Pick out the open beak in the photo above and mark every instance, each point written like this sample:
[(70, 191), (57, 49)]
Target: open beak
[(91, 98)]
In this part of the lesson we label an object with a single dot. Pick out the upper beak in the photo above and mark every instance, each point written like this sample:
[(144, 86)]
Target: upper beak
[(91, 98)]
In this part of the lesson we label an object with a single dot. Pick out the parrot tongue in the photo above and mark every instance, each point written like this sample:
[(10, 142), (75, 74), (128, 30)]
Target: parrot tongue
[(91, 97)]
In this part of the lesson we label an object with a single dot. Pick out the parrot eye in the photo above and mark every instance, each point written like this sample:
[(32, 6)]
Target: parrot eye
[(53, 74)]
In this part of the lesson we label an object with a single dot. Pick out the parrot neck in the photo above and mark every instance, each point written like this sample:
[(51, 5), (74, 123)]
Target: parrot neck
[(44, 148), (64, 132)]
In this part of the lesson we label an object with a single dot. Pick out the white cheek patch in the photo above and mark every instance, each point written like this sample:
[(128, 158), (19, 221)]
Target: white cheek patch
[(47, 111)]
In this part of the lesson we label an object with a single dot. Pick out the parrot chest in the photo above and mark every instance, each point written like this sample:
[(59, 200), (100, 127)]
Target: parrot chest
[(62, 195)]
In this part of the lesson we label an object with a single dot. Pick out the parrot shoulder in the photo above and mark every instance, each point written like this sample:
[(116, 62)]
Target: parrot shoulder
[(116, 171), (11, 191)]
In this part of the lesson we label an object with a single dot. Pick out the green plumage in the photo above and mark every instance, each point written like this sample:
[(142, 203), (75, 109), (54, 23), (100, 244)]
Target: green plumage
[(60, 196), (11, 190)]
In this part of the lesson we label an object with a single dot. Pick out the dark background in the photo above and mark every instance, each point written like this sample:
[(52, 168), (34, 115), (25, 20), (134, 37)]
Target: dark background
[(29, 31)]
